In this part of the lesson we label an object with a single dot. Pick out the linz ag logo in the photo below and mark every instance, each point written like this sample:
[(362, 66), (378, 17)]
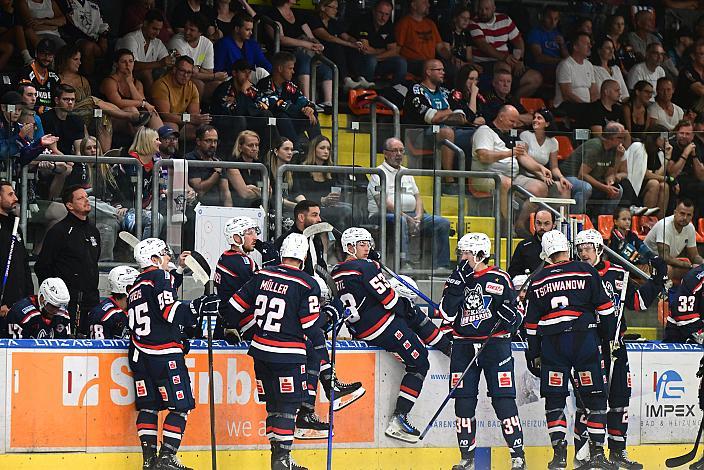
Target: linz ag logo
[(668, 386)]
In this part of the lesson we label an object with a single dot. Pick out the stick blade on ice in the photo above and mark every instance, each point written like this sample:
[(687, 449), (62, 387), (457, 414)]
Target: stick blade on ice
[(674, 462)]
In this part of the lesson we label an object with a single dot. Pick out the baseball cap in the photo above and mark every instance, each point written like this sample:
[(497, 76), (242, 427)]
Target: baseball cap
[(166, 131), (47, 46), (242, 64), (11, 97)]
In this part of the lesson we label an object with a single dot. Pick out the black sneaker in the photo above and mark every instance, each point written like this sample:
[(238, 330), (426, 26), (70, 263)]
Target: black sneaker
[(170, 462), (346, 394), (309, 426), (620, 458), (559, 460)]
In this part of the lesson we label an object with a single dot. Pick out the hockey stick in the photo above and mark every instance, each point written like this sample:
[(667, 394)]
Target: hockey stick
[(201, 274), (128, 238), (9, 258), (674, 462), (454, 388), (615, 343), (320, 227)]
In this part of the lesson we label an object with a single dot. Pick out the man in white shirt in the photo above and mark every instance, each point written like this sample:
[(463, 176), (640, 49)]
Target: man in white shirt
[(193, 44), (663, 110), (651, 69), (576, 79), (414, 220), (150, 54), (674, 239)]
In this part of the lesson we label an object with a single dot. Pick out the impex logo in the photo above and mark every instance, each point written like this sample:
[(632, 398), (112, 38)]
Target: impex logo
[(668, 385)]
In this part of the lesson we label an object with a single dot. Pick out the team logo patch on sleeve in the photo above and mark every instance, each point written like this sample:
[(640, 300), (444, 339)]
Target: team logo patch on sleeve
[(628, 380), (179, 394), (398, 334), (454, 378), (164, 394), (286, 385), (494, 288), (260, 387), (172, 365), (505, 380), (176, 379), (407, 344), (415, 354), (303, 368), (141, 388), (585, 378), (555, 378)]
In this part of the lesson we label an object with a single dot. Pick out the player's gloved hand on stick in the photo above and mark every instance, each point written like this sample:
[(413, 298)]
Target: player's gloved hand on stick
[(374, 255), (208, 304), (465, 270), (510, 316)]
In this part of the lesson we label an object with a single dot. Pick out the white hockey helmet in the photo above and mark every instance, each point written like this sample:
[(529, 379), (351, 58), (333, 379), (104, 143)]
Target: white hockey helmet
[(475, 243), (353, 235), (121, 278), (53, 291), (403, 290), (519, 281), (553, 242), (239, 226), (325, 296), (295, 246), (147, 248), (591, 236)]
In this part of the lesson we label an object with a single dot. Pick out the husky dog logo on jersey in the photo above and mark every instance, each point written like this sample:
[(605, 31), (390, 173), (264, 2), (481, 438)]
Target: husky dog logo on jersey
[(615, 296), (476, 306)]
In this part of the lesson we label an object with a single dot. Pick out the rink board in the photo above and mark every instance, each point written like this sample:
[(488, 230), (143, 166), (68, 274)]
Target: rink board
[(76, 395)]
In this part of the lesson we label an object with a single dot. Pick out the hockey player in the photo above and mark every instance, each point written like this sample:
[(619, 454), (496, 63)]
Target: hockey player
[(564, 300), (43, 315), (377, 317), (285, 302), (156, 353), (590, 247), (108, 319), (684, 324), (480, 303)]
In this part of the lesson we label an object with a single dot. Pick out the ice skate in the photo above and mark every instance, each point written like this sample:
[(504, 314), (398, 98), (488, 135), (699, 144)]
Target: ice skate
[(286, 462), (170, 462), (309, 426), (698, 465), (465, 464), (345, 394), (399, 428), (559, 460), (620, 458), (597, 460), (149, 463), (518, 463)]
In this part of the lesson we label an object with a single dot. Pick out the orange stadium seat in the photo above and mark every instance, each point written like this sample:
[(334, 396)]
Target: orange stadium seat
[(641, 224), (359, 102), (700, 230), (532, 104), (564, 148), (606, 226)]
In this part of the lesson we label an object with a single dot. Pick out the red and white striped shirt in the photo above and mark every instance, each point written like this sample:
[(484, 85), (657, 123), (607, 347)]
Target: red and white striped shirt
[(497, 32)]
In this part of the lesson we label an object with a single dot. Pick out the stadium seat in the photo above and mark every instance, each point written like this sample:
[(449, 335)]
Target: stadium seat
[(532, 104), (359, 102), (410, 138), (564, 148), (700, 230), (641, 224), (606, 226)]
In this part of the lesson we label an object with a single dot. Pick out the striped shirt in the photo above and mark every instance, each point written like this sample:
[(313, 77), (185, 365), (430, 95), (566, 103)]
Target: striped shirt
[(497, 32)]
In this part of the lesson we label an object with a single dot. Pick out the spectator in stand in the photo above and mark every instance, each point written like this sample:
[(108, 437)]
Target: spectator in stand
[(606, 68), (175, 94), (239, 105), (61, 122), (150, 54), (419, 38), (29, 100), (190, 42), (543, 150), (40, 76), (526, 257), (597, 170), (183, 10), (297, 38), (649, 70), (71, 251), (11, 35), (246, 150), (687, 165), (42, 20), (655, 189), (491, 34), (674, 239), (226, 13), (494, 149), (466, 95), (594, 116), (379, 54), (456, 36), (583, 25), (678, 53), (281, 153), (635, 110), (663, 111), (643, 35), (546, 45), (414, 219), (296, 118), (690, 83), (126, 92), (500, 95), (239, 45), (86, 30), (134, 15), (576, 78), (625, 241), (623, 52), (428, 103)]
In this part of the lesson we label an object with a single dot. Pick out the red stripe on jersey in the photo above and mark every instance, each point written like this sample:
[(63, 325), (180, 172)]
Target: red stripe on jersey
[(167, 310), (389, 297), (531, 326), (246, 320), (111, 312), (592, 424), (698, 286), (157, 347), (285, 276), (172, 428), (223, 268), (309, 318), (146, 426), (557, 422), (432, 336), (346, 272), (561, 313), (498, 334), (30, 315), (279, 430), (376, 326), (560, 275), (606, 306), (409, 391), (689, 316), (615, 432), (280, 344), (241, 302)]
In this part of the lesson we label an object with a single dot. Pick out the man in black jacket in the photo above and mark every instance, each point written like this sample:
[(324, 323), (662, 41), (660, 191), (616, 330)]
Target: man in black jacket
[(19, 278), (305, 214), (71, 251), (526, 257)]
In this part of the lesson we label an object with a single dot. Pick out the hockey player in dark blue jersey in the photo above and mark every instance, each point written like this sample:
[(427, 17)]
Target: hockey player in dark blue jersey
[(563, 302), (590, 248), (157, 320), (43, 315), (285, 302), (685, 323), (108, 319), (479, 301), (379, 318)]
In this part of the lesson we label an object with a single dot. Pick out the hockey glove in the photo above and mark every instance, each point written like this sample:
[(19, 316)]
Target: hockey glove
[(659, 270), (698, 337), (374, 256), (268, 252), (206, 305), (510, 316), (465, 270), (533, 365)]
